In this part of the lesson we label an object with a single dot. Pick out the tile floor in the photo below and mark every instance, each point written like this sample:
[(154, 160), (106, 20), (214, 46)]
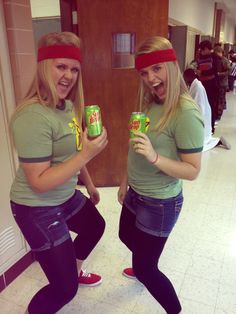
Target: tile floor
[(200, 256)]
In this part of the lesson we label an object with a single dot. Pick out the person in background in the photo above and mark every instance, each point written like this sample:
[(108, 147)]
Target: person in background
[(198, 93), (217, 45), (232, 74), (223, 71), (151, 191), (194, 63), (232, 55), (52, 151), (207, 73)]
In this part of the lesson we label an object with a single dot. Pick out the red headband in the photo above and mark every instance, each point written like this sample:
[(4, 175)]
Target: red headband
[(154, 57), (59, 51)]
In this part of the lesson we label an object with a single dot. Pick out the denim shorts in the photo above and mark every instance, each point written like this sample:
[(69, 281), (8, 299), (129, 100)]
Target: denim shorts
[(46, 227), (154, 216)]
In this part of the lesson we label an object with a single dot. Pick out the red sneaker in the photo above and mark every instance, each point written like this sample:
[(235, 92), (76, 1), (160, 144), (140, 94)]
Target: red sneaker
[(128, 272), (88, 279)]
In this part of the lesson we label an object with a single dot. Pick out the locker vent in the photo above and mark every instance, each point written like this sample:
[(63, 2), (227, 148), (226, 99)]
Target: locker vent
[(7, 240)]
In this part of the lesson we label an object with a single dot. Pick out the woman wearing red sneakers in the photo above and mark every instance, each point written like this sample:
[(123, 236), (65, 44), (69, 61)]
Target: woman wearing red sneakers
[(157, 162), (52, 151)]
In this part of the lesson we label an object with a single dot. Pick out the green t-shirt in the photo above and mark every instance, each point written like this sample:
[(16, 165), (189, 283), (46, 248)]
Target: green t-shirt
[(184, 134), (44, 134)]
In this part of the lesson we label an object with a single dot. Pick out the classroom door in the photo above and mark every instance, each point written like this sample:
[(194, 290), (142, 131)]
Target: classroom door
[(110, 31)]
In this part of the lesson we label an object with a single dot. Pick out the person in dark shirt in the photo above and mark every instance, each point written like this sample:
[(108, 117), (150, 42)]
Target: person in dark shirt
[(198, 93), (207, 72), (223, 71)]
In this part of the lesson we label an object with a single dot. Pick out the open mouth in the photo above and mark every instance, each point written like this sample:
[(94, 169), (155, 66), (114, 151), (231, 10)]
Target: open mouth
[(64, 87), (159, 89), (157, 85)]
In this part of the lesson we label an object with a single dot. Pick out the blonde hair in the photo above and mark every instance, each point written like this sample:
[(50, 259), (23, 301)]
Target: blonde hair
[(43, 89), (176, 86)]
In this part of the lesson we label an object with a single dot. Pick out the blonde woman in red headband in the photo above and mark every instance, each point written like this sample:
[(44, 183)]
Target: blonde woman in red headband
[(52, 152), (158, 161)]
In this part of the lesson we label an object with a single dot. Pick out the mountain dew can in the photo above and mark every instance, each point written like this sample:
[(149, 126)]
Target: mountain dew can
[(139, 122), (93, 120)]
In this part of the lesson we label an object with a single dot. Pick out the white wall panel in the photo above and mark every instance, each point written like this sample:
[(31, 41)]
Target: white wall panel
[(198, 14), (12, 243), (45, 8)]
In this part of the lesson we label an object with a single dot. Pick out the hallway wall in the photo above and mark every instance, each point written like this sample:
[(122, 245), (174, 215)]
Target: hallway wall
[(200, 15)]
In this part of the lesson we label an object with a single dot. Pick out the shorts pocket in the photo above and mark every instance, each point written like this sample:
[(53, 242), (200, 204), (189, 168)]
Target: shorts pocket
[(157, 216), (42, 227), (31, 232)]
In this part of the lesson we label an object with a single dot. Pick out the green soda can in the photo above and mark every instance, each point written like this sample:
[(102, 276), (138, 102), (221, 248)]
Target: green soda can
[(93, 120), (138, 122)]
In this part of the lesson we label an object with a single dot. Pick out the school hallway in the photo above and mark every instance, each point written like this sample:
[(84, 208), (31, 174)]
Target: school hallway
[(199, 257)]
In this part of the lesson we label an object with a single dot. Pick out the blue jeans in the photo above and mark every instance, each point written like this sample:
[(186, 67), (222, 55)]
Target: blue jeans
[(145, 224), (154, 216), (46, 227)]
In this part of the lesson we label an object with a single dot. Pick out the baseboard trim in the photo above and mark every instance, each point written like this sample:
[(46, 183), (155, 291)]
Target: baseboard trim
[(16, 269)]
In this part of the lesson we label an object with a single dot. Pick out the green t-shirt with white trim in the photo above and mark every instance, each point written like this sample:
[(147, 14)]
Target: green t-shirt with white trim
[(43, 134), (184, 134)]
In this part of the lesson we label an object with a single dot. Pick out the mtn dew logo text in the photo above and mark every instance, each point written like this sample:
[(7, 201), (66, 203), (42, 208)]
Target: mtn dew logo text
[(93, 120), (138, 122)]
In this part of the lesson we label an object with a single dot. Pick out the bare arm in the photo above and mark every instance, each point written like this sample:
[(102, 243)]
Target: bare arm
[(123, 189), (84, 176), (42, 177), (188, 167), (123, 184)]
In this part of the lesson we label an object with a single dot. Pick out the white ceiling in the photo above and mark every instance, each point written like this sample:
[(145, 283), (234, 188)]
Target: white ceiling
[(229, 6)]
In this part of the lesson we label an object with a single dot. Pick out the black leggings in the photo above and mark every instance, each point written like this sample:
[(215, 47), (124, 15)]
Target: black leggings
[(59, 263), (146, 250)]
